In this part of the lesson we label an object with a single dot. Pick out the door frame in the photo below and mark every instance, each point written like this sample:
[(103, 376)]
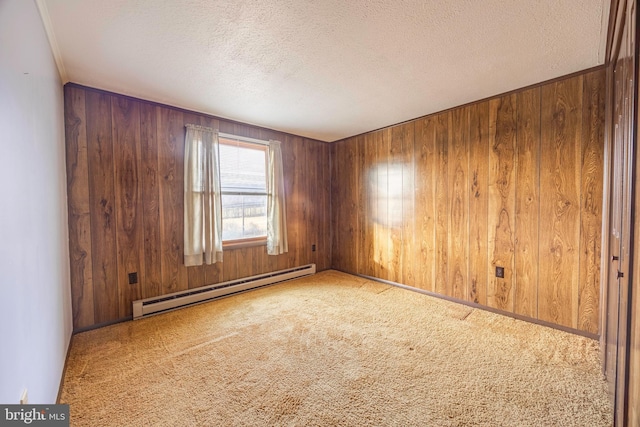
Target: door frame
[(623, 15)]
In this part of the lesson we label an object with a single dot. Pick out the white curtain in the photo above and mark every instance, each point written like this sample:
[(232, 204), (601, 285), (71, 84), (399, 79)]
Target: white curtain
[(202, 200), (276, 210)]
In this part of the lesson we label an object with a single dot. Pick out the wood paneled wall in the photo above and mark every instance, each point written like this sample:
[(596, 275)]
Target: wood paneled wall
[(125, 196), (515, 181), (633, 404)]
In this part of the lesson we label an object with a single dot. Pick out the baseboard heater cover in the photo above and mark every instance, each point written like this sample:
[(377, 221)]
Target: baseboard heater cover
[(156, 305)]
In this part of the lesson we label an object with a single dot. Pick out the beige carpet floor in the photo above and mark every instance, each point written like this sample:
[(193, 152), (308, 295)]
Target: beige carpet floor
[(333, 350)]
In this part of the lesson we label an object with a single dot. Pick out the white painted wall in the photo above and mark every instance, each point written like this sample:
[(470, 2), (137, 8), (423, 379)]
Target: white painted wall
[(35, 300)]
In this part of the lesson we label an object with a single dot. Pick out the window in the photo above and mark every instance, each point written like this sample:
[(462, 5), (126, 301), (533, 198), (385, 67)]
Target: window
[(243, 182)]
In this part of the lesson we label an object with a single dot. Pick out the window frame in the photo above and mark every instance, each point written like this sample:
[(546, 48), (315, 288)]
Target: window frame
[(253, 144)]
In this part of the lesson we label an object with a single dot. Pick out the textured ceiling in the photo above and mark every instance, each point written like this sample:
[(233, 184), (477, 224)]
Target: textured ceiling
[(325, 69)]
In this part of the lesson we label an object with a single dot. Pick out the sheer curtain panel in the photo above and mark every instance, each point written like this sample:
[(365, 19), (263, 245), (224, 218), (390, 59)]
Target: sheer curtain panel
[(202, 201), (276, 209)]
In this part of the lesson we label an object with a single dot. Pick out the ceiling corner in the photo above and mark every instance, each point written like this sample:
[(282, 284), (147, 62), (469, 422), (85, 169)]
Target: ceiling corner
[(48, 27), (604, 31)]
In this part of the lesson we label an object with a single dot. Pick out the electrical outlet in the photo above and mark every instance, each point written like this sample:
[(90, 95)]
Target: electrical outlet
[(313, 247), (133, 278), (24, 399), (500, 272)]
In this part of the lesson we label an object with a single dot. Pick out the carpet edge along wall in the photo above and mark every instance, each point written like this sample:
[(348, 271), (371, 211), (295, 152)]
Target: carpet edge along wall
[(514, 181), (334, 350)]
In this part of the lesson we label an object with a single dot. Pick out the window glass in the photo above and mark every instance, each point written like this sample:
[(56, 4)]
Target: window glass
[(243, 182), (243, 217)]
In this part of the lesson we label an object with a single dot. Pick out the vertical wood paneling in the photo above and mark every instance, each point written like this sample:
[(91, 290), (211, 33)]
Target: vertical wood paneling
[(469, 194), (478, 201), (394, 203), (337, 157), (314, 200), (230, 265), (246, 261), (125, 184), (591, 200), (318, 193), (361, 206), (311, 178), (634, 310), (79, 207), (196, 276), (261, 259), (349, 197), (382, 230), (458, 171), (369, 180), (170, 134), (102, 210), (501, 220), (351, 204), (442, 135), (125, 121), (336, 253), (326, 233), (425, 203), (560, 207), (527, 203), (303, 245), (294, 208), (150, 201), (213, 273), (408, 205)]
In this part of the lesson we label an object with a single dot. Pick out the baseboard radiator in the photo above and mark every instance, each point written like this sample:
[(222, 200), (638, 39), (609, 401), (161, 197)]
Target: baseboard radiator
[(150, 306)]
